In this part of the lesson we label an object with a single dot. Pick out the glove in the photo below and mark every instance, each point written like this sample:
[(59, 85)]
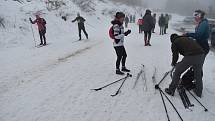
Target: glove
[(127, 32), (117, 41)]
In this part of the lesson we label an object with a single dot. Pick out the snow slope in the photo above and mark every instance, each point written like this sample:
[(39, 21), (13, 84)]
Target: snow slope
[(53, 83)]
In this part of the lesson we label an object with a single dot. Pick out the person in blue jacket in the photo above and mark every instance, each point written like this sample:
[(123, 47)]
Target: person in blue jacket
[(201, 35), (202, 30)]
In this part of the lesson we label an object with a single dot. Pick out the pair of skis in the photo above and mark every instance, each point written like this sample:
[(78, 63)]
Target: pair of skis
[(143, 76), (119, 89), (184, 98)]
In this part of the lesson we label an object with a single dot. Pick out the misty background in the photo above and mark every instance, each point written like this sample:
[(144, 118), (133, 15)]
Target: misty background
[(183, 7)]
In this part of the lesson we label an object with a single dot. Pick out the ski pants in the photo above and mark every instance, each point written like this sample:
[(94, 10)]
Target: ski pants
[(82, 29), (162, 29), (121, 56), (147, 36), (196, 62), (42, 36)]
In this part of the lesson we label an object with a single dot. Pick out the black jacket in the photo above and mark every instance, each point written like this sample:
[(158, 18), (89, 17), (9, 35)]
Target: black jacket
[(186, 47), (80, 21), (148, 22)]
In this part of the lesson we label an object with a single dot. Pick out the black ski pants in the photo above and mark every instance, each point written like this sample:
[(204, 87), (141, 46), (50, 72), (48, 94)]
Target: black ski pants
[(121, 56)]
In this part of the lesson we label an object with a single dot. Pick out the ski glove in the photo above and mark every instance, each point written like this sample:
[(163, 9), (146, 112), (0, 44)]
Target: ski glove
[(173, 64), (127, 32)]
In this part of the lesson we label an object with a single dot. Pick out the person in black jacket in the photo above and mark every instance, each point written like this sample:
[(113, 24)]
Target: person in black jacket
[(193, 57), (81, 26), (148, 25), (161, 23)]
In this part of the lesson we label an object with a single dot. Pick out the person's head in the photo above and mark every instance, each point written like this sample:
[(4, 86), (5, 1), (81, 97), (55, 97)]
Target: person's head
[(154, 14), (199, 15), (162, 15), (78, 14), (120, 16), (166, 15), (37, 16), (148, 12), (173, 37)]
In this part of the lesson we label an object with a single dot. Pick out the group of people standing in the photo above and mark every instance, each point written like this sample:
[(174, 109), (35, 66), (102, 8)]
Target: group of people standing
[(163, 23), (193, 46)]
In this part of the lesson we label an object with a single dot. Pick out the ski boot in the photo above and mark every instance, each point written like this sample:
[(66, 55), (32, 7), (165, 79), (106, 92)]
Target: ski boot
[(125, 69), (169, 92), (118, 72)]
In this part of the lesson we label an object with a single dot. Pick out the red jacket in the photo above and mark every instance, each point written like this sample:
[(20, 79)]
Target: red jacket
[(41, 23), (140, 22)]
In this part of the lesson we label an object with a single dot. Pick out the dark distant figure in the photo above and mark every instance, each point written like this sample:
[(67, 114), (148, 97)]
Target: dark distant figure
[(131, 18), (41, 23), (134, 18), (140, 24), (126, 21), (81, 26), (166, 23), (154, 21), (161, 22), (148, 25)]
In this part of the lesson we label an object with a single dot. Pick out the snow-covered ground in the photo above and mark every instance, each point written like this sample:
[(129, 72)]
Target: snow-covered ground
[(53, 83)]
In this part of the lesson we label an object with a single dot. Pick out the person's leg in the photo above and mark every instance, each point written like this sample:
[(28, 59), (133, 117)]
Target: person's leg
[(84, 30), (179, 69), (79, 31), (119, 58), (41, 37), (160, 30), (198, 74), (149, 37), (145, 38), (44, 37), (124, 56)]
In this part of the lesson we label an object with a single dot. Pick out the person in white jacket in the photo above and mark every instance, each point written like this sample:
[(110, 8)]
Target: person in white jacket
[(118, 31)]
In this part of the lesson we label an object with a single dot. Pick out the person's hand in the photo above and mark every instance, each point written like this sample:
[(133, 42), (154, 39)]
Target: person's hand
[(30, 19), (127, 32)]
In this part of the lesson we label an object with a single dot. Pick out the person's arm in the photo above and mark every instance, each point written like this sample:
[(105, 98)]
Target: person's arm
[(175, 54), (200, 31), (32, 22), (74, 19)]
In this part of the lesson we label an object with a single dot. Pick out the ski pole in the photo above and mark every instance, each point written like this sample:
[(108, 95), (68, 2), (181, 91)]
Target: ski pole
[(171, 103), (164, 106), (33, 36), (117, 92), (198, 101), (165, 75), (97, 89)]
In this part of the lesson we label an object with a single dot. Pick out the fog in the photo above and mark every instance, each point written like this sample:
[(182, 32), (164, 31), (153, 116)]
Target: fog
[(183, 7)]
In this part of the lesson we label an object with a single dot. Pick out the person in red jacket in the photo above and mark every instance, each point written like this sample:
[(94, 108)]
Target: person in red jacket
[(41, 23)]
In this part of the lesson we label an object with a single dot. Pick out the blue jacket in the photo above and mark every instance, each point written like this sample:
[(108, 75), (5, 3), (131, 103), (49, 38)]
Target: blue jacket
[(201, 34)]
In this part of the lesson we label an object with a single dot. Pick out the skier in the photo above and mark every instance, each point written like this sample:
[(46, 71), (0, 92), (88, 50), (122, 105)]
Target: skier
[(134, 18), (148, 25), (193, 57), (81, 26), (140, 23), (154, 21), (166, 23), (118, 32), (131, 18), (201, 34), (41, 23), (162, 24), (126, 21)]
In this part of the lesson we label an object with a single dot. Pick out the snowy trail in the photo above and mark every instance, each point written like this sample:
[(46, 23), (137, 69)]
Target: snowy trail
[(61, 90)]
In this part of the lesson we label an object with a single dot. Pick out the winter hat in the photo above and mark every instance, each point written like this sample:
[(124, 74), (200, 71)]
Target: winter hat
[(173, 37), (148, 11), (199, 13), (120, 15)]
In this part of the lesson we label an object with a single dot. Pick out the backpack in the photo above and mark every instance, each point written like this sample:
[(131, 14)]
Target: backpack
[(140, 22), (111, 33), (187, 80)]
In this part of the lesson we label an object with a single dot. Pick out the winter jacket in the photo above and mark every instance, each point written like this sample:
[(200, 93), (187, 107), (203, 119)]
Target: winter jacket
[(118, 30), (162, 21), (201, 34), (80, 21), (185, 46), (41, 23), (148, 23)]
